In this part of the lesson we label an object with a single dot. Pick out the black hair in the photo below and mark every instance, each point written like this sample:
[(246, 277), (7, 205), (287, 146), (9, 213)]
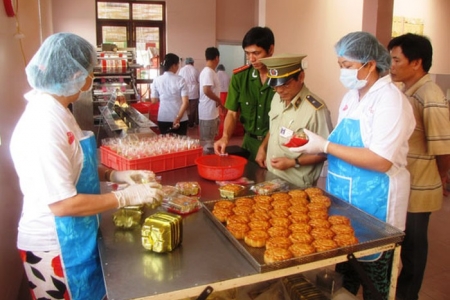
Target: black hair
[(220, 68), (414, 47), (260, 36), (169, 60), (211, 53)]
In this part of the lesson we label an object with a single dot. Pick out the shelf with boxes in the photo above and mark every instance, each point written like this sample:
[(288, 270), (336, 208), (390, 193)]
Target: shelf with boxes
[(107, 111), (114, 79)]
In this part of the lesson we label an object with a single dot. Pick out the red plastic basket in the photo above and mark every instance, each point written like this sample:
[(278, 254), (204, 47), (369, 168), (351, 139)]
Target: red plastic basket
[(157, 163), (215, 167)]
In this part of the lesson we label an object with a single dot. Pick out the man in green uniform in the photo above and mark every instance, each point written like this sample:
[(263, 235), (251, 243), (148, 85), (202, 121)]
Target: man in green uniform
[(249, 96), (293, 108)]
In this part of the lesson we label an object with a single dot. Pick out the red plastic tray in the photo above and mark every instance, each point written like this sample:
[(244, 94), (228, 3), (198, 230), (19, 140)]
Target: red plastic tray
[(157, 163)]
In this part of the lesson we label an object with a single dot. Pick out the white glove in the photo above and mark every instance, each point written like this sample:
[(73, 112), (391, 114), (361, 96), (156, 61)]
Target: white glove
[(132, 176), (139, 194), (315, 145)]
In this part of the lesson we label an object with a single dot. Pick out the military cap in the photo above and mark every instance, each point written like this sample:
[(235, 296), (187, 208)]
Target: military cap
[(282, 67)]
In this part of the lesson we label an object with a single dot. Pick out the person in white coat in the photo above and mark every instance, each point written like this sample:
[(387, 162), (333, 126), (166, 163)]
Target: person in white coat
[(190, 73), (210, 102), (59, 176), (171, 91), (367, 150), (224, 79)]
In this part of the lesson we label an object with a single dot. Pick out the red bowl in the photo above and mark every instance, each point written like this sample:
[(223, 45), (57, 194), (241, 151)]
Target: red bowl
[(216, 167), (296, 142)]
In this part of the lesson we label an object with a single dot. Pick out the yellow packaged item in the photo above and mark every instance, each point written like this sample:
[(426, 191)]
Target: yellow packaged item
[(127, 218), (162, 232)]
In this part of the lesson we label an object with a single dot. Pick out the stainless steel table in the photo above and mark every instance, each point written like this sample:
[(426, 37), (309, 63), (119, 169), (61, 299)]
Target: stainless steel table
[(205, 258)]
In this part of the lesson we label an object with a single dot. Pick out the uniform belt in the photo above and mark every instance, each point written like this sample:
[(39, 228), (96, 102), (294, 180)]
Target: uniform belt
[(256, 137)]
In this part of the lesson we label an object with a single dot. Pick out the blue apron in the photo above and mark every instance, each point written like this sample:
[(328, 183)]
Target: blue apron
[(367, 190), (78, 235)]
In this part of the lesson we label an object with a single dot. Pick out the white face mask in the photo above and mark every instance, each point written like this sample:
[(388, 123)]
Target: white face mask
[(349, 78), (86, 93)]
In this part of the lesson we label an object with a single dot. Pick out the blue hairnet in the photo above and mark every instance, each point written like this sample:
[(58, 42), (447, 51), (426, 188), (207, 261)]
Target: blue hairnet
[(362, 47), (61, 64)]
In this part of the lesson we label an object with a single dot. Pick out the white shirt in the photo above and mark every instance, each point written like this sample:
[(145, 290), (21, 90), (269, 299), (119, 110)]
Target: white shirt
[(383, 112), (386, 123), (191, 75), (207, 109), (169, 88), (224, 80), (48, 159)]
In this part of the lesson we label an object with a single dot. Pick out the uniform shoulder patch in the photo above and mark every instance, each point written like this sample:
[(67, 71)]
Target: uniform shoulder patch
[(240, 69), (317, 105)]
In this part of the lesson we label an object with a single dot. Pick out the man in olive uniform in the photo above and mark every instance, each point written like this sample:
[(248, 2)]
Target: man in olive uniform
[(293, 108), (249, 96)]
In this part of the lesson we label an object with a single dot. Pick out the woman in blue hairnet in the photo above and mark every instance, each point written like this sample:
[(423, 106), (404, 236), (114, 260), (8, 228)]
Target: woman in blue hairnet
[(368, 147), (60, 179)]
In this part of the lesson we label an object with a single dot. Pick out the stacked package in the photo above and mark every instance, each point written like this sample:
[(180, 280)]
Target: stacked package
[(299, 288), (128, 217), (162, 232)]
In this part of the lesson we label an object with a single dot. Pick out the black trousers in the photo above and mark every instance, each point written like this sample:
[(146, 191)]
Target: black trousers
[(166, 127), (413, 255), (193, 112), (379, 272)]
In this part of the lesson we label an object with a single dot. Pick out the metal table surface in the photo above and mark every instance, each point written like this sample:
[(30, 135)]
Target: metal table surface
[(205, 258)]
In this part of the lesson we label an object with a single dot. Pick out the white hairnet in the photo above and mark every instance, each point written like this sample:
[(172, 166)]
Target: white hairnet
[(61, 64), (362, 47)]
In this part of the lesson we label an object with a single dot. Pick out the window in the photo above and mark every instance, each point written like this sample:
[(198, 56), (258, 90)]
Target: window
[(133, 24)]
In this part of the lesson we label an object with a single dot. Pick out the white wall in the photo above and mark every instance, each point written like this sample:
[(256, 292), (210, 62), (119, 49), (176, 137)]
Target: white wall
[(14, 54), (312, 28), (300, 26), (435, 17), (76, 17)]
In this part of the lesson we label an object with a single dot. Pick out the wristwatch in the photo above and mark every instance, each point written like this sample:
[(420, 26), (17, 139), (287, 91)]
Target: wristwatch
[(297, 163)]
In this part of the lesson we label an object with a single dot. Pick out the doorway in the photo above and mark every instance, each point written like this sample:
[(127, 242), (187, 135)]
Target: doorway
[(232, 56)]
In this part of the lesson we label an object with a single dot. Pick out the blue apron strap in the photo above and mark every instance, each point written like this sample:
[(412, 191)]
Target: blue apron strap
[(366, 189), (78, 235)]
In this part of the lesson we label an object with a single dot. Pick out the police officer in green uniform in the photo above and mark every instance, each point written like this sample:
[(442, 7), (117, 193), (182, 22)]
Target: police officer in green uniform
[(249, 95), (293, 108)]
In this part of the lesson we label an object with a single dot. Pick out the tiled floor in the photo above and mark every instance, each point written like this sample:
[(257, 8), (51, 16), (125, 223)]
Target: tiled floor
[(437, 274), (436, 284)]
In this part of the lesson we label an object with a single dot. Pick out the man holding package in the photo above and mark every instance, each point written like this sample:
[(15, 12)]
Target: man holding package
[(293, 108)]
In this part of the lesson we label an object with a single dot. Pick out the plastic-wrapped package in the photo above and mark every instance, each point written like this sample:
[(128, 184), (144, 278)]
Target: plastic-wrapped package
[(182, 204), (188, 188), (169, 191), (241, 181), (270, 186), (230, 191), (298, 139)]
